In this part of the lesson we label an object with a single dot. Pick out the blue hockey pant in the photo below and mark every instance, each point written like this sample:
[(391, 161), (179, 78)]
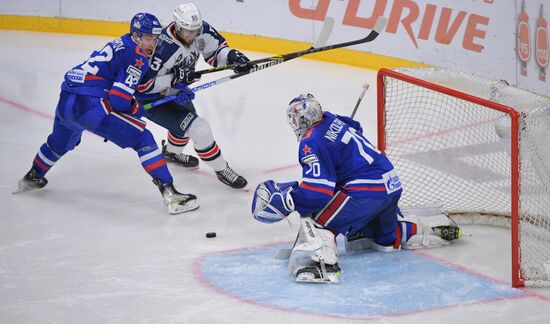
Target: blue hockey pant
[(76, 113)]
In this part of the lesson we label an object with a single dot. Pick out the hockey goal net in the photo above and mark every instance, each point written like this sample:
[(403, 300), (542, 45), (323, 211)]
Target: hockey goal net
[(477, 147)]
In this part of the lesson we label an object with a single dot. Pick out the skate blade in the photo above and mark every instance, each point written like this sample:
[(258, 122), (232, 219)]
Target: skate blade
[(174, 209), (22, 188), (308, 277), (415, 246)]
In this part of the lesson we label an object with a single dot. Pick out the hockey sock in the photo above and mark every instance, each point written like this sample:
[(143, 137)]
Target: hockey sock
[(212, 155), (205, 145), (44, 160), (153, 161), (176, 143), (403, 232)]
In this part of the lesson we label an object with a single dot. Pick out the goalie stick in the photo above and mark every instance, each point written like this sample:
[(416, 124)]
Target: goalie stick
[(274, 60), (365, 88)]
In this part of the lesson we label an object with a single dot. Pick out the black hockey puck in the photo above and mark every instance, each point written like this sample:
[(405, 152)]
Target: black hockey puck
[(211, 234)]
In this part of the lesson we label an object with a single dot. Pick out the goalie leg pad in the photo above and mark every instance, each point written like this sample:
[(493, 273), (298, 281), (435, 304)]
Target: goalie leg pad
[(315, 249), (433, 228)]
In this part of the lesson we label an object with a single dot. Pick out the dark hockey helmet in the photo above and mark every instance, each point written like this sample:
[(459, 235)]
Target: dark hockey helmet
[(145, 23), (303, 112)]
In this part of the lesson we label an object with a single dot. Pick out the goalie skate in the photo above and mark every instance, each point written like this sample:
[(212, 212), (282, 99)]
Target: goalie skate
[(435, 228), (30, 181), (176, 202), (185, 160), (319, 273)]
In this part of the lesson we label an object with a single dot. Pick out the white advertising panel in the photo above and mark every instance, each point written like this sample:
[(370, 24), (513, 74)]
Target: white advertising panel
[(478, 36)]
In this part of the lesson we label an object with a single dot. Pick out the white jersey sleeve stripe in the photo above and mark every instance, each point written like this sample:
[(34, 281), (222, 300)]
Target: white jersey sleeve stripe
[(364, 181), (124, 87), (151, 155), (319, 181)]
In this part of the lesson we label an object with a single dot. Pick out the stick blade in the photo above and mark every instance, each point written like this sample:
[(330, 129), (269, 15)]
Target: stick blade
[(283, 254), (326, 30), (380, 24)]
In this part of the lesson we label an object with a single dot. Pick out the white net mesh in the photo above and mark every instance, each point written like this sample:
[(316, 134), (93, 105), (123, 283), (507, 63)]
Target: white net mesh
[(449, 150)]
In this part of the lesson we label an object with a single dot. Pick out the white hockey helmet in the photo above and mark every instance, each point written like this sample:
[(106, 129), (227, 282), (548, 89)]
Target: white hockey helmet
[(188, 16), (303, 112)]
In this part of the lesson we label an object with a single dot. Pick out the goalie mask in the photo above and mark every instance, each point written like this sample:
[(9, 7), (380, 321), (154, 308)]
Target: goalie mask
[(303, 112)]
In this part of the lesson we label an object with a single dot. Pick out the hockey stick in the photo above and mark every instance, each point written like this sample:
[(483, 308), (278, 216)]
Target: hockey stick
[(284, 254), (321, 41), (365, 88), (380, 24)]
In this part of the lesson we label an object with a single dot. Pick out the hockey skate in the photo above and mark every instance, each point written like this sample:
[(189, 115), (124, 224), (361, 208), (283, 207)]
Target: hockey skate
[(231, 178), (448, 233), (319, 273), (184, 160), (176, 201), (30, 181)]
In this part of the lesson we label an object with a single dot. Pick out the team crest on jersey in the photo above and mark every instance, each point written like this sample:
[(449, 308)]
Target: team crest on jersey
[(306, 149), (139, 63), (178, 59), (201, 44), (132, 70)]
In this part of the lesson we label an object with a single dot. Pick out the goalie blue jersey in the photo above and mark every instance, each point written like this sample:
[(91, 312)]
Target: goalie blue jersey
[(335, 155), (113, 72)]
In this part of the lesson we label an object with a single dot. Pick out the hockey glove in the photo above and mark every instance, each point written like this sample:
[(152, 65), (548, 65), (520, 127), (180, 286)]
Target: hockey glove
[(185, 75), (235, 57), (270, 204), (184, 95)]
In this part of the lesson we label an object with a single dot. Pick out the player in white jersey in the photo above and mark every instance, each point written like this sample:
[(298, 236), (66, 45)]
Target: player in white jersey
[(172, 70)]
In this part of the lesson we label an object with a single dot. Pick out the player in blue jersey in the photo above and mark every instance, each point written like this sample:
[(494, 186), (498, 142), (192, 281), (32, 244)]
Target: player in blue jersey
[(348, 187), (172, 70), (98, 96)]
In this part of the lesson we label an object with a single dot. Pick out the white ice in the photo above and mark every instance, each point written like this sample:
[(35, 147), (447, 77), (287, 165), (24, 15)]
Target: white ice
[(97, 245)]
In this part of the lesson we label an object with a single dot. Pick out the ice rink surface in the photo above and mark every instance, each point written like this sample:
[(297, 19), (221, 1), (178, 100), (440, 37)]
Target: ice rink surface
[(97, 245)]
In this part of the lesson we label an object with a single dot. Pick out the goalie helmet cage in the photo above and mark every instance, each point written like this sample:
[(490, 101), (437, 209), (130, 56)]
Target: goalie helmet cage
[(476, 147)]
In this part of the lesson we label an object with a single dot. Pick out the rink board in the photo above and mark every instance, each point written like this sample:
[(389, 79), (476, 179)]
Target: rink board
[(375, 284)]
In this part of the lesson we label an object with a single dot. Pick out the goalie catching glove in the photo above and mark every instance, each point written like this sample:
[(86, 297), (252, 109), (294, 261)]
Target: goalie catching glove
[(271, 203)]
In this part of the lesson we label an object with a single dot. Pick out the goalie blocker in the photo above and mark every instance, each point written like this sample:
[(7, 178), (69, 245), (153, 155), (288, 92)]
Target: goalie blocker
[(314, 257)]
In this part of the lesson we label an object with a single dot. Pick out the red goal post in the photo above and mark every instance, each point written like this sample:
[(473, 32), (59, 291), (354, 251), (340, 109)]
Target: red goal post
[(477, 147)]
